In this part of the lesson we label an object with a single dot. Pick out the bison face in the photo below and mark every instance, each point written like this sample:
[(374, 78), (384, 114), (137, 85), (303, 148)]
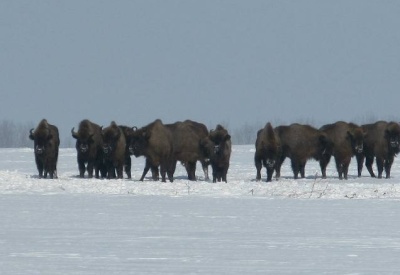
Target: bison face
[(83, 148), (270, 163), (139, 143), (107, 148), (393, 139), (357, 140), (394, 142), (39, 149)]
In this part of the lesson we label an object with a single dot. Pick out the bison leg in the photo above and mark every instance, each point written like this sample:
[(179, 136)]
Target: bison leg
[(81, 166), (339, 167), (190, 170), (204, 165), (120, 172), (295, 169), (302, 170), (39, 166), (128, 166), (155, 174), (368, 163), (360, 162), (323, 163), (278, 167), (257, 162), (270, 172), (90, 167), (379, 164), (388, 166)]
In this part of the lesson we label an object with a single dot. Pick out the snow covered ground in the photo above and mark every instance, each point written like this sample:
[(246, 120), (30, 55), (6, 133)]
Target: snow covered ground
[(89, 226)]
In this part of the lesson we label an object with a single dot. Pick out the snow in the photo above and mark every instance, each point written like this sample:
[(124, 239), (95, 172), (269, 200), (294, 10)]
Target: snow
[(96, 226)]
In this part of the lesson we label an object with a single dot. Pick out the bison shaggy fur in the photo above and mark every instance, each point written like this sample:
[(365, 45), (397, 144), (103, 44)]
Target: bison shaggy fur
[(348, 139), (89, 147), (302, 142), (46, 144), (114, 145), (268, 151), (382, 141)]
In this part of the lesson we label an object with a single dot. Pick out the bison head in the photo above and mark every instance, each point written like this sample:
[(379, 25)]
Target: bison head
[(392, 134), (41, 137), (357, 140), (139, 142), (219, 137), (84, 139), (110, 136)]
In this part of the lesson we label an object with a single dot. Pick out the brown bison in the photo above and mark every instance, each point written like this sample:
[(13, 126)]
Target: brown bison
[(46, 143), (114, 146), (89, 147), (187, 136), (154, 142), (382, 141), (219, 153), (268, 151), (300, 143), (127, 131), (348, 139)]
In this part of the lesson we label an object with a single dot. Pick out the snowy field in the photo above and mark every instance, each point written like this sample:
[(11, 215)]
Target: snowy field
[(89, 226)]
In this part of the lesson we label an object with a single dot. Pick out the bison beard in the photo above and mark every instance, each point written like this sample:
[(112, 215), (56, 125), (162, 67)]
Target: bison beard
[(46, 144), (382, 141)]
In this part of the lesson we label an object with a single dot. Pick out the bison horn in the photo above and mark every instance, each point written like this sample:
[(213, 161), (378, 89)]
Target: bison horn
[(74, 134), (134, 128)]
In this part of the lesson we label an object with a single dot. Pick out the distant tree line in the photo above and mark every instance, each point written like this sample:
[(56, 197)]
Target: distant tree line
[(13, 135)]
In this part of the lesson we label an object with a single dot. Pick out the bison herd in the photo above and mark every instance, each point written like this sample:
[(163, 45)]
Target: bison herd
[(106, 152)]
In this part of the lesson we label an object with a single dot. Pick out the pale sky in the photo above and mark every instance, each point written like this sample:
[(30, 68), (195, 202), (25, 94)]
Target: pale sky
[(228, 61)]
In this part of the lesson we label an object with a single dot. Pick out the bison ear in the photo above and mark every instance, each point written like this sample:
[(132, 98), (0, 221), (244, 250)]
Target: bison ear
[(74, 134), (227, 137), (31, 136)]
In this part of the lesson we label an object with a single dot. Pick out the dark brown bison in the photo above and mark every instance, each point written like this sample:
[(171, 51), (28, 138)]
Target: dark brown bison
[(348, 139), (89, 147), (46, 143), (219, 153), (114, 146), (154, 142), (187, 136), (382, 141), (300, 143), (268, 151), (128, 161)]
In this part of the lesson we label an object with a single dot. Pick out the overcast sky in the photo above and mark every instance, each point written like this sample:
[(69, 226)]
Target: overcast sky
[(229, 61)]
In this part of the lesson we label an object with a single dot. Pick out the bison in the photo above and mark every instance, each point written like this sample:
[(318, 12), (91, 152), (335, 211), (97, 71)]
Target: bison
[(187, 136), (46, 143), (89, 147), (268, 151), (154, 142), (299, 143), (347, 141), (127, 131), (382, 141), (114, 146), (219, 153)]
